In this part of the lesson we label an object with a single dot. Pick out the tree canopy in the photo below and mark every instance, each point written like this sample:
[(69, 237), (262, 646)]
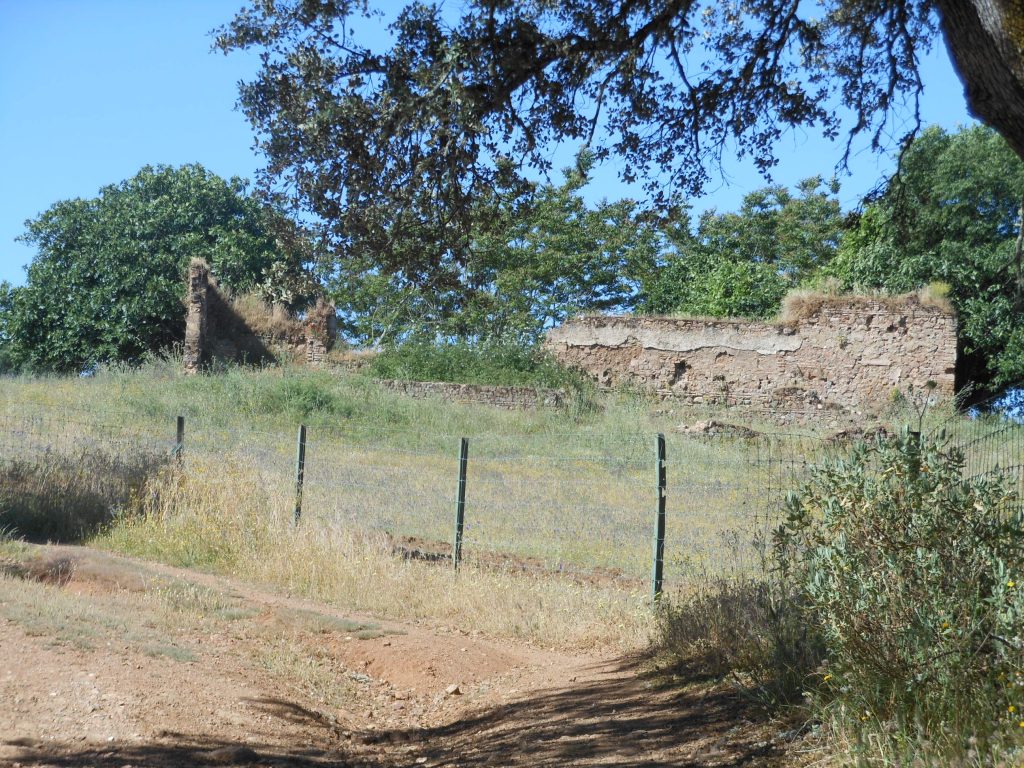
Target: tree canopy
[(742, 264), (390, 149), (107, 281), (953, 214), (524, 268)]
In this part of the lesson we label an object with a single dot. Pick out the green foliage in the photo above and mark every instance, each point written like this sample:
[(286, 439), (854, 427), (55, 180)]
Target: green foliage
[(911, 573), (7, 363), (108, 278), (299, 397), (489, 363), (951, 215), (391, 148), (742, 264), (525, 268)]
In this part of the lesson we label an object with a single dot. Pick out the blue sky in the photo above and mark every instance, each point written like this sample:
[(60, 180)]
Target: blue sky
[(92, 90)]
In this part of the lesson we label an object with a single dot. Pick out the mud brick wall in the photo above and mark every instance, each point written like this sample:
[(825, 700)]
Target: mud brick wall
[(510, 398), (214, 329), (850, 353), (321, 330), (197, 285)]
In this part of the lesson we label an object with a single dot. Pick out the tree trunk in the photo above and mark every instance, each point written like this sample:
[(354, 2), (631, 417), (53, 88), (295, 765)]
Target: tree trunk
[(985, 39), (1019, 260)]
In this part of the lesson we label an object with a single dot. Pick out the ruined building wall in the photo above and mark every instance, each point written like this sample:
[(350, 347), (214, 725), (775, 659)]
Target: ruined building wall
[(197, 284), (217, 329), (847, 352)]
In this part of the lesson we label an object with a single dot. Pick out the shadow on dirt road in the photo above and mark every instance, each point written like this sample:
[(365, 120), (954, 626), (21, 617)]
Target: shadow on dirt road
[(617, 717)]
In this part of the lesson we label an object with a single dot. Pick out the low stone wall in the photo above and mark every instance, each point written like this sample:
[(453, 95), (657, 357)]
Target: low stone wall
[(510, 398), (847, 353)]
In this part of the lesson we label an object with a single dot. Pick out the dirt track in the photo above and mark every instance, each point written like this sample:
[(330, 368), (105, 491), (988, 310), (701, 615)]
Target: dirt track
[(135, 664)]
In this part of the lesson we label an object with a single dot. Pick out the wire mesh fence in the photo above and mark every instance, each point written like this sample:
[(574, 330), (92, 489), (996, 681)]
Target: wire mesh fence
[(572, 502), (992, 444)]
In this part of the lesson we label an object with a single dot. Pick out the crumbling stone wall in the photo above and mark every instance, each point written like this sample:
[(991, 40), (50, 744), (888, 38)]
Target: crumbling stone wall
[(848, 352), (215, 329), (321, 330), (197, 286)]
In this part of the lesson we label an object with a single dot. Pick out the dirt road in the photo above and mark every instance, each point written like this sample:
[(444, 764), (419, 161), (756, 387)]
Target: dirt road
[(106, 661)]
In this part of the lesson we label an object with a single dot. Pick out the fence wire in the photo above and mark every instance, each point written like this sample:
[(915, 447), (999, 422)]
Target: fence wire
[(579, 503), (992, 444)]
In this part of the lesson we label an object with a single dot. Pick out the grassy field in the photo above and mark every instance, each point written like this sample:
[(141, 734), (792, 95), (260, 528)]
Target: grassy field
[(550, 492), (573, 491)]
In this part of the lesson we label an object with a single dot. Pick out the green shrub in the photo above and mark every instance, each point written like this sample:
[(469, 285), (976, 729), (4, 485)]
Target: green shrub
[(295, 396), (912, 573), (488, 363)]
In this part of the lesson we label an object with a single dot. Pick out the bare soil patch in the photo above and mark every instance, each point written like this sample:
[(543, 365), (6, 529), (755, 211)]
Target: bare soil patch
[(106, 661)]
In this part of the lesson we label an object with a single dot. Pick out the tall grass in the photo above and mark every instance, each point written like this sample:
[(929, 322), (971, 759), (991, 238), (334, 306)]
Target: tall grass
[(69, 496), (570, 495), (222, 516), (575, 492)]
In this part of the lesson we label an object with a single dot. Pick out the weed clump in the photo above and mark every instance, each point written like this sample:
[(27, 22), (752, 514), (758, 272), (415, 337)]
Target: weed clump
[(299, 397), (68, 496)]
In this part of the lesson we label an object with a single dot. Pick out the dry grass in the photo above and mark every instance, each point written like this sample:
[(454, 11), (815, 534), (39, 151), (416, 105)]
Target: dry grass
[(572, 497), (69, 495), (226, 518), (146, 622), (803, 303), (273, 322)]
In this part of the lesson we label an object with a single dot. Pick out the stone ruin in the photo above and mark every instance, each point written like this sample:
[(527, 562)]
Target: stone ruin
[(845, 353), (242, 331)]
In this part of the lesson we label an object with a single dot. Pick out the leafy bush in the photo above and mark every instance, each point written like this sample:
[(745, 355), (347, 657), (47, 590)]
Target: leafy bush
[(912, 574), (296, 396), (490, 363)]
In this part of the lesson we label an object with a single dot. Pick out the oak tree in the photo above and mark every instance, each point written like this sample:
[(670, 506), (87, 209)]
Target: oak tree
[(390, 148), (742, 263), (525, 269)]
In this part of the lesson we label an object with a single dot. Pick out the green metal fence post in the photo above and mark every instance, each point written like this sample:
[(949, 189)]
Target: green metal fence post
[(915, 446), (300, 470), (460, 504), (657, 576), (179, 439)]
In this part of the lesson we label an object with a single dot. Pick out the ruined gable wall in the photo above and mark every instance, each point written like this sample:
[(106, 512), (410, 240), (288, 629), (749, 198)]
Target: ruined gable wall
[(217, 329), (849, 353), (197, 285)]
